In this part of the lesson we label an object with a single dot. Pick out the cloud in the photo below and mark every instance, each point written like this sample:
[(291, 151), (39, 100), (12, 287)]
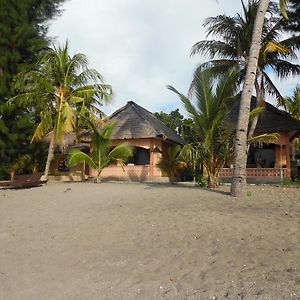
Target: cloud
[(139, 46)]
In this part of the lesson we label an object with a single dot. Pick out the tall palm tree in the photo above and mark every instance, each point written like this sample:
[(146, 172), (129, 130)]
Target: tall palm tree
[(211, 130), (231, 50), (257, 36), (240, 146), (61, 88)]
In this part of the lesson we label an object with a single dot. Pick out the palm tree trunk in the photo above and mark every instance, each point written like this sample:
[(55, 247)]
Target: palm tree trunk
[(240, 152), (50, 155), (259, 99)]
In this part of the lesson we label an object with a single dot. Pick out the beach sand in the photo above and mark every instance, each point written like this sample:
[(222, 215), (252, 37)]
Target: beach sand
[(138, 241)]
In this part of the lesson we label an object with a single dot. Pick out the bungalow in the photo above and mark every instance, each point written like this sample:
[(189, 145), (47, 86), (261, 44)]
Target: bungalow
[(143, 132), (270, 162)]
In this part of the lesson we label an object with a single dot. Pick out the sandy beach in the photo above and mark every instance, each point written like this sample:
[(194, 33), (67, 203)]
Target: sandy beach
[(137, 241)]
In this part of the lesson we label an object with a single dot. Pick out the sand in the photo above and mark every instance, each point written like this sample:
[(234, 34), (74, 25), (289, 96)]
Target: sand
[(138, 241)]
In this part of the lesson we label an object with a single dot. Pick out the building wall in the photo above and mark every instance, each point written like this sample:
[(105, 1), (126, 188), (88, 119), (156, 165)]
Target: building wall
[(137, 172)]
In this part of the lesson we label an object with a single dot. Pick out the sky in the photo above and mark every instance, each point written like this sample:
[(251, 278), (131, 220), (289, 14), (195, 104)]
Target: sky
[(140, 46)]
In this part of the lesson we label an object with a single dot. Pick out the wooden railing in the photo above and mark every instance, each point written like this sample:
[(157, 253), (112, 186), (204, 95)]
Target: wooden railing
[(257, 172), (129, 171)]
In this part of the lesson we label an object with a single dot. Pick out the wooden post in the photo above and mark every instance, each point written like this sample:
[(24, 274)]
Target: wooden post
[(288, 161), (151, 171)]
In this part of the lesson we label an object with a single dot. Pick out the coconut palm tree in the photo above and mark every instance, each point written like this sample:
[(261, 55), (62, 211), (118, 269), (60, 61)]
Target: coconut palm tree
[(102, 153), (60, 89), (231, 50), (240, 146), (211, 129), (256, 36)]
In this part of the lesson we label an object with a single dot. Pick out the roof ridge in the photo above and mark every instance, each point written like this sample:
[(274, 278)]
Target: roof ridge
[(118, 111)]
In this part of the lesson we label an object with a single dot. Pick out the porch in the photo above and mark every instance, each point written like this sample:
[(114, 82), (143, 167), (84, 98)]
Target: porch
[(258, 175)]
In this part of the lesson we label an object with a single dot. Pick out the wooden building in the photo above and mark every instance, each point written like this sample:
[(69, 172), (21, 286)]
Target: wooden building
[(143, 132), (270, 162)]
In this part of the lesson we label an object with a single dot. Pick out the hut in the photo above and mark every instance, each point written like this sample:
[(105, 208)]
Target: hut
[(143, 132), (268, 162)]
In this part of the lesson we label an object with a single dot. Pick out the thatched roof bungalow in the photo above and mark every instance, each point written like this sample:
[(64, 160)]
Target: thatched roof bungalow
[(144, 132), (270, 162)]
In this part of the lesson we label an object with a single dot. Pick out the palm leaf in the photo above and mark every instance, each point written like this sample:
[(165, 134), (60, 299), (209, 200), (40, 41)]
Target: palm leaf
[(76, 156), (264, 138)]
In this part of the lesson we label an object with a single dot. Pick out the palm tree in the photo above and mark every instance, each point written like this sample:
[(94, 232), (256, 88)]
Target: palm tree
[(171, 162), (232, 49), (292, 105), (190, 153), (102, 153), (293, 22), (60, 89), (240, 146), (253, 60), (211, 129)]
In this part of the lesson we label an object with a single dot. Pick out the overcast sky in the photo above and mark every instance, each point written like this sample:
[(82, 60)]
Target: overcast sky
[(140, 46)]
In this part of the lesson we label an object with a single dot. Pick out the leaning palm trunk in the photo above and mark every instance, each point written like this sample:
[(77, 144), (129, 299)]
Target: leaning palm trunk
[(240, 149), (50, 155)]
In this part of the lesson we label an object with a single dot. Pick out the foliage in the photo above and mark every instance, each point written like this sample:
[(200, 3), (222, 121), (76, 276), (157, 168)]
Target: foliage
[(173, 120), (23, 29), (292, 105), (202, 180), (171, 162), (264, 138), (212, 132), (22, 35), (231, 49), (102, 153), (177, 122), (191, 155), (61, 88), (19, 163), (293, 22)]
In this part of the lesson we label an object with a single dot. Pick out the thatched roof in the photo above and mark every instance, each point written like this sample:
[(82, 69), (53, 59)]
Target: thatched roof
[(271, 119), (134, 122), (70, 140)]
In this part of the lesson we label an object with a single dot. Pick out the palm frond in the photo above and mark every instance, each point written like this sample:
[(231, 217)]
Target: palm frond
[(255, 112), (76, 156), (121, 153), (265, 138)]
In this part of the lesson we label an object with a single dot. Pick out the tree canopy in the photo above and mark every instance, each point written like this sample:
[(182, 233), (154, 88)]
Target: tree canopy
[(23, 28)]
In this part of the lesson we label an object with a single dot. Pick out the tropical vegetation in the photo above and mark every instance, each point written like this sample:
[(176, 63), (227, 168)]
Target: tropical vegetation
[(231, 50), (252, 46), (61, 88), (213, 134), (292, 106), (102, 152), (23, 30), (171, 162), (240, 155)]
